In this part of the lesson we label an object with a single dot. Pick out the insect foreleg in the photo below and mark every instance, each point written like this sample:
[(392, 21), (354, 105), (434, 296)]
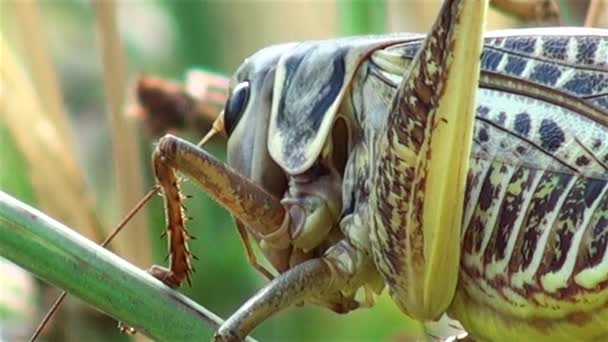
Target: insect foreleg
[(289, 288), (258, 210), (251, 258), (322, 279)]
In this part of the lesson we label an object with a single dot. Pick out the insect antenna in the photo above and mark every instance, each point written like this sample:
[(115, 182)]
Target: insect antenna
[(105, 242), (217, 127)]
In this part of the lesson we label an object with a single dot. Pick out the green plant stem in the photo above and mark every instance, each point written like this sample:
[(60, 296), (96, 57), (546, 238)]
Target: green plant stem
[(356, 17), (60, 256)]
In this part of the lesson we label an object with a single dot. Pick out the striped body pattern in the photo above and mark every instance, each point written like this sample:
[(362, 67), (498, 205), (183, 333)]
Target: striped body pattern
[(535, 224), (535, 228)]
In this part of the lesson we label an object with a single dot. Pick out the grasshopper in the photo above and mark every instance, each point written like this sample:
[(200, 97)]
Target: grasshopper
[(467, 181), (467, 175)]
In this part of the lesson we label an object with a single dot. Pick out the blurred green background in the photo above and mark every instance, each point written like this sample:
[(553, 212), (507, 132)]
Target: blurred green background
[(166, 38)]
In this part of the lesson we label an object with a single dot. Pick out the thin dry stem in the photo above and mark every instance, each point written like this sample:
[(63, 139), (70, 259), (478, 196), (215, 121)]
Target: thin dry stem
[(538, 10), (42, 71), (597, 14), (127, 166), (52, 167)]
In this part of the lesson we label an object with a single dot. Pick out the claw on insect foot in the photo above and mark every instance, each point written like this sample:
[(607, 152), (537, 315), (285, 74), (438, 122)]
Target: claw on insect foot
[(164, 275), (125, 329)]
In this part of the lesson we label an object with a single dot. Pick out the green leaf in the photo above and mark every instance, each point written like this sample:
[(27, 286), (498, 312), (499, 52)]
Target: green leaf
[(58, 255), (356, 17)]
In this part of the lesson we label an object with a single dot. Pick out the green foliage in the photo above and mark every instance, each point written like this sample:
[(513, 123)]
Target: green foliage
[(16, 183), (58, 255), (13, 179), (357, 17)]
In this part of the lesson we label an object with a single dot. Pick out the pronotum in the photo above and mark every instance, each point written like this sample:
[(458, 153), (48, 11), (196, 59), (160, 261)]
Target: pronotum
[(470, 181)]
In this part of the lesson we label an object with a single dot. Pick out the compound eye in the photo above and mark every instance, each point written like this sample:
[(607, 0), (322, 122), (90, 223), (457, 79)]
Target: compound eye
[(235, 105)]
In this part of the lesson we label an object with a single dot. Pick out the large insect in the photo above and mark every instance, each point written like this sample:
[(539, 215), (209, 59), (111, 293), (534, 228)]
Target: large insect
[(468, 181)]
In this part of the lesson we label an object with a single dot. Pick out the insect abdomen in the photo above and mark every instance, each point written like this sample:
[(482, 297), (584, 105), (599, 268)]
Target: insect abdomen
[(535, 228), (536, 256)]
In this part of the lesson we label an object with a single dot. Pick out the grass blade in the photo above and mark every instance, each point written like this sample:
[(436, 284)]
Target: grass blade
[(65, 259), (357, 17)]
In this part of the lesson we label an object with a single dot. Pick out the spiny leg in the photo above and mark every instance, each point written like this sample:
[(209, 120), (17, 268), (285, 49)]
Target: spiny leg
[(258, 210), (179, 255)]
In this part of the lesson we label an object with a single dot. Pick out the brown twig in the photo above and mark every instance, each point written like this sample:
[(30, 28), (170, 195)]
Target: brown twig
[(167, 106)]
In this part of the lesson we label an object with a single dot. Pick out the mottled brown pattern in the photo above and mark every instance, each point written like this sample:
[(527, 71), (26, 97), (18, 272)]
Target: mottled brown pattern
[(595, 240), (544, 326), (488, 199), (581, 197), (407, 126), (399, 190), (510, 210), (544, 201), (576, 203), (472, 181)]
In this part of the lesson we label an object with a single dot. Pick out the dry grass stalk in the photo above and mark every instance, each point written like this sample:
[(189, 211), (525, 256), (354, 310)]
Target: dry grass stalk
[(56, 179), (42, 73), (597, 14), (534, 10), (125, 142)]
